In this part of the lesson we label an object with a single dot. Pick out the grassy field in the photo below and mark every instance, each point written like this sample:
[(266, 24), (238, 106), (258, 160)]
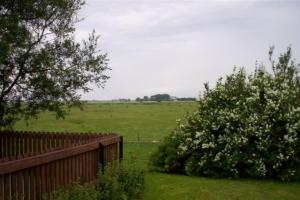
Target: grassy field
[(151, 122), (135, 121)]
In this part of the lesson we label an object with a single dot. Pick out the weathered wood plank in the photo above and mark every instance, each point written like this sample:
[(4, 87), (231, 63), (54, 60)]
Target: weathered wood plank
[(29, 176), (47, 157), (1, 187)]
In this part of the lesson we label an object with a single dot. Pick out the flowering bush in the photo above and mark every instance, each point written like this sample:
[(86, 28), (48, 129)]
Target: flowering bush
[(247, 126)]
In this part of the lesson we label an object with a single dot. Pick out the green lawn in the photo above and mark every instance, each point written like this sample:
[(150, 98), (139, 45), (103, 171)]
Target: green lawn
[(167, 187), (179, 187), (153, 121)]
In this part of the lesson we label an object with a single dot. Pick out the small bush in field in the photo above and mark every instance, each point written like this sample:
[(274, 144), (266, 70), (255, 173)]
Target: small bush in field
[(247, 126)]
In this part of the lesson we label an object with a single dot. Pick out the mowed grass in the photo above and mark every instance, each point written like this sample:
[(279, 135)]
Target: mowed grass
[(192, 188), (179, 187), (151, 122), (135, 121)]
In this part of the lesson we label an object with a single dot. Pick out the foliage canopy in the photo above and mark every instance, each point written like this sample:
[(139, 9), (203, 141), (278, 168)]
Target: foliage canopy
[(42, 67), (247, 126)]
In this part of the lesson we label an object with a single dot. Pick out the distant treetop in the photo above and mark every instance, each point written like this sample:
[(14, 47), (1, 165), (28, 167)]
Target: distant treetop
[(164, 97)]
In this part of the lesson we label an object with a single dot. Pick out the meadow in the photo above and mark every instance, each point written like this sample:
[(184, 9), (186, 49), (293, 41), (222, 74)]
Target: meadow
[(144, 122), (143, 125)]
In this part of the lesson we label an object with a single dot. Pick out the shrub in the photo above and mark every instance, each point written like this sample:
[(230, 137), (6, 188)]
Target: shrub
[(119, 182), (75, 191), (247, 126), (166, 159)]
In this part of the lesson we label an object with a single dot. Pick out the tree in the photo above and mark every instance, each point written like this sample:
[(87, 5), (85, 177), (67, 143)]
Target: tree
[(42, 67), (160, 97), (146, 98), (138, 99)]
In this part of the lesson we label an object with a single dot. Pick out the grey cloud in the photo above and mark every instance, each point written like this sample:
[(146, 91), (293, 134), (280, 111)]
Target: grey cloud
[(176, 46)]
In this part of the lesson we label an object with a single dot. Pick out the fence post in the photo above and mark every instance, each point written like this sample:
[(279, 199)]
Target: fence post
[(101, 157), (121, 148)]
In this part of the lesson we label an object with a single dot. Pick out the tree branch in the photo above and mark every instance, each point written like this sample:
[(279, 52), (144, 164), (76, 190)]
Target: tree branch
[(22, 64)]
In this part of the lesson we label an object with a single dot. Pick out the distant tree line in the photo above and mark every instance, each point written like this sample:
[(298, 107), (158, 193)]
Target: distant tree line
[(186, 99), (164, 97), (124, 100)]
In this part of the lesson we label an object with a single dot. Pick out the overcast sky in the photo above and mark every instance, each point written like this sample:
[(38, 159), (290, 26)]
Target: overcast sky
[(174, 46)]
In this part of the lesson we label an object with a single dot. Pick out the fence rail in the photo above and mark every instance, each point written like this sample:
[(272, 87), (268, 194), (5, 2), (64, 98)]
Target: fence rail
[(34, 164)]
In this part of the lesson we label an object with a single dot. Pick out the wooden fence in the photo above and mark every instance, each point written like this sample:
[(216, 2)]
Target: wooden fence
[(34, 164)]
